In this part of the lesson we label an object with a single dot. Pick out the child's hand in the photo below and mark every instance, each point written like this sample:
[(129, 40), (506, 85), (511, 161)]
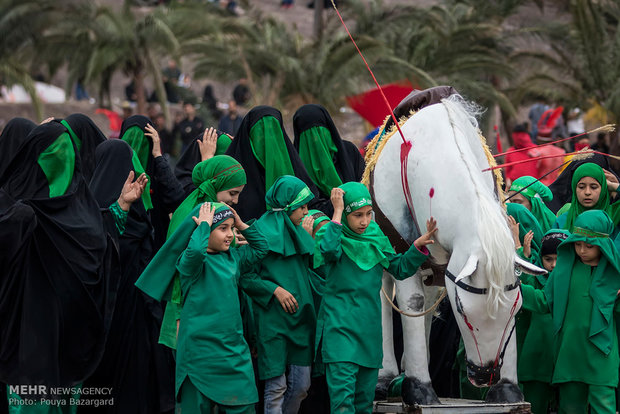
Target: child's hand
[(612, 181), (239, 239), (514, 229), (527, 243), (308, 224), (205, 214), (239, 224), (337, 198), (154, 135), (132, 190), (208, 144), (288, 302), (427, 238)]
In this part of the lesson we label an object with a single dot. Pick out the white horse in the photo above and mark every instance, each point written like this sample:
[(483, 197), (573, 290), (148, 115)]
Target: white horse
[(474, 241)]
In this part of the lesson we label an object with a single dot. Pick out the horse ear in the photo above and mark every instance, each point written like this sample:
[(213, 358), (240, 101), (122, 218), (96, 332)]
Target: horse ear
[(470, 267), (521, 266)]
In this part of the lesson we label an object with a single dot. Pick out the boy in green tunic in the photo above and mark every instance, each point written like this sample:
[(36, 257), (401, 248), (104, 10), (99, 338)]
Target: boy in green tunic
[(583, 310), (535, 365), (285, 329), (214, 366), (354, 252)]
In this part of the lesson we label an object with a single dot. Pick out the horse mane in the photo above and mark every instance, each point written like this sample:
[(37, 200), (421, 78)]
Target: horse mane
[(493, 232)]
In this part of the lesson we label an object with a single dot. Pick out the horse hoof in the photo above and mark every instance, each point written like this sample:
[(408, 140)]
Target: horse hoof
[(381, 390), (415, 391), (504, 392)]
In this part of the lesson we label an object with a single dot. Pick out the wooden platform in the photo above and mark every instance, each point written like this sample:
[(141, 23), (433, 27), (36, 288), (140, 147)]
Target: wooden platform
[(452, 406)]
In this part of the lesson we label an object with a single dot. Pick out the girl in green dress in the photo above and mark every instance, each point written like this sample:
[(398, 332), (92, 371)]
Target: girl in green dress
[(581, 295), (354, 252)]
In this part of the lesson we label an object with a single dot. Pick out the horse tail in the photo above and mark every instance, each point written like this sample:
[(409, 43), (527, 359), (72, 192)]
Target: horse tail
[(493, 233)]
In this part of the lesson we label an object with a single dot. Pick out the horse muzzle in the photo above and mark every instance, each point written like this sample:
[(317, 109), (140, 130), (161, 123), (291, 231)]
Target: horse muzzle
[(483, 376)]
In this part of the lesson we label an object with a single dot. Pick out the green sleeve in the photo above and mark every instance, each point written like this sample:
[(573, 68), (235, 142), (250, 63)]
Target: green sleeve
[(405, 265), (190, 262), (120, 217), (330, 245), (248, 255), (533, 255), (534, 300), (261, 291)]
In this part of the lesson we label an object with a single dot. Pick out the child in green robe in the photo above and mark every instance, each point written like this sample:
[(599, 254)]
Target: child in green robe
[(285, 315), (355, 251), (530, 193), (214, 366), (581, 295), (535, 365)]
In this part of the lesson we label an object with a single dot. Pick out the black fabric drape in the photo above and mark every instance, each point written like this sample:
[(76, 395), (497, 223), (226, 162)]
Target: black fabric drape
[(139, 370), (166, 191), (561, 187), (57, 288), (348, 160), (90, 137), (12, 138), (252, 198)]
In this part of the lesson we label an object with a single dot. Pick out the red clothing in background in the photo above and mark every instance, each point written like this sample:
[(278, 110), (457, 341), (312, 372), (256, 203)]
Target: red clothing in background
[(548, 164), (521, 140)]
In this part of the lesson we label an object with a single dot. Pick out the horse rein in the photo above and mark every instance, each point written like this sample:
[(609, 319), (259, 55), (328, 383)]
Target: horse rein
[(495, 368)]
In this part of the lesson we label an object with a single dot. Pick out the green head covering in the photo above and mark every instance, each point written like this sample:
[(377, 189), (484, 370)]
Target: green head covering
[(588, 169), (58, 164), (592, 227), (158, 278), (223, 142), (269, 148), (536, 192), (141, 147), (216, 174), (285, 195), (367, 249), (318, 217), (76, 139), (221, 214), (527, 222), (317, 150)]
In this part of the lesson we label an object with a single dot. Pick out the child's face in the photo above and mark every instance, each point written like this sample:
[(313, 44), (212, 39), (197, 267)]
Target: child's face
[(519, 199), (360, 219), (298, 214), (588, 192), (549, 261), (221, 237), (588, 253), (230, 196)]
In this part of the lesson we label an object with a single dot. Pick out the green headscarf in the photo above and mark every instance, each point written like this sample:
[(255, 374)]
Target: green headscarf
[(58, 164), (590, 169), (592, 227), (318, 217), (527, 222), (141, 147), (210, 177), (76, 139), (285, 195), (269, 148), (158, 277), (367, 249), (316, 150), (223, 142), (536, 192)]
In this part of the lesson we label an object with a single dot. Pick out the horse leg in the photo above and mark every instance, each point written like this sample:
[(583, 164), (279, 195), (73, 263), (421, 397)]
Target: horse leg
[(507, 389), (390, 367), (417, 387)]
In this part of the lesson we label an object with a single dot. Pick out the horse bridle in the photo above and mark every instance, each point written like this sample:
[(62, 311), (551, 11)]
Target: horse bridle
[(494, 368)]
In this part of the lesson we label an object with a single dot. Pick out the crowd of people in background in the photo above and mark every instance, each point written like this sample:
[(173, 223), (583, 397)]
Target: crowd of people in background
[(229, 279)]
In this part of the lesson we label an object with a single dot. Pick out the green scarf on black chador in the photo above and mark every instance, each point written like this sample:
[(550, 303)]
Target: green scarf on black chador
[(285, 195), (367, 249), (141, 146), (527, 222), (317, 151), (58, 164), (595, 171), (157, 279), (269, 148), (211, 176), (536, 192), (592, 227)]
